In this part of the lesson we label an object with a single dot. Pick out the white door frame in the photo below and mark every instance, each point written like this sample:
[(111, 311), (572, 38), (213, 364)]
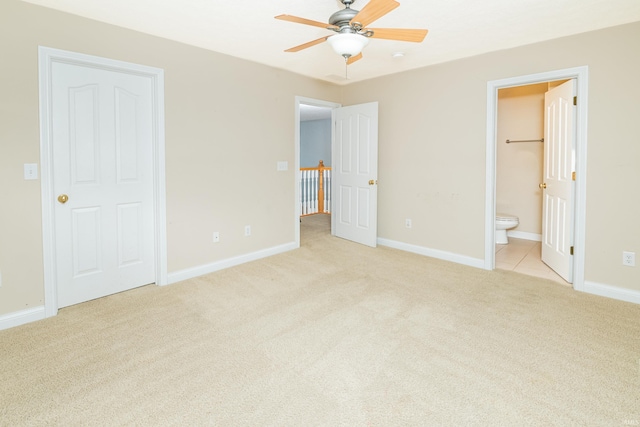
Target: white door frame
[(581, 74), (296, 176), (46, 58)]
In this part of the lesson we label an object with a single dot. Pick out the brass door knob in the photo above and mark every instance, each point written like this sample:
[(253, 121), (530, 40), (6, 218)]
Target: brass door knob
[(543, 185), (371, 182), (63, 198)]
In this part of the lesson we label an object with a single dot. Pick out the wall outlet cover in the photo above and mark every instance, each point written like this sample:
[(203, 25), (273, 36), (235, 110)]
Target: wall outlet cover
[(629, 258)]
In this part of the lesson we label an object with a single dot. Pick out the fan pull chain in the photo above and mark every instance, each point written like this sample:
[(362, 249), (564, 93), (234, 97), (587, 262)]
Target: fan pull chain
[(346, 67)]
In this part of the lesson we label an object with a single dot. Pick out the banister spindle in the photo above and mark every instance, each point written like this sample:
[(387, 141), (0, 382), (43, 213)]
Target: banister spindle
[(315, 191)]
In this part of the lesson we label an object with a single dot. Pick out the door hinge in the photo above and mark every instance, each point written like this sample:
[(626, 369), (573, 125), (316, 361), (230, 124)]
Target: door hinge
[(571, 250), (573, 175), (575, 100)]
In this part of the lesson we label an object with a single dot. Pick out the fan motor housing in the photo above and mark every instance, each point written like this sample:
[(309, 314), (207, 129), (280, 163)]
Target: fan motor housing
[(342, 17)]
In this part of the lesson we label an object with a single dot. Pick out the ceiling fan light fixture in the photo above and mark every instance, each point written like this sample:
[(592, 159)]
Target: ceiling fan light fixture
[(348, 44)]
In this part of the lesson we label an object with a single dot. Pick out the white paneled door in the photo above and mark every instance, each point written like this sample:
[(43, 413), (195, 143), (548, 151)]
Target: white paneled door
[(355, 173), (557, 186), (102, 144)]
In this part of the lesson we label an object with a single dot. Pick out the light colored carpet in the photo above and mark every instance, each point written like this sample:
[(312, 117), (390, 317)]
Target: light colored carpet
[(332, 334)]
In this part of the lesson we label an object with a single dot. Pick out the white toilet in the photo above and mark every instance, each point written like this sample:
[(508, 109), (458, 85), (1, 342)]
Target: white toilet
[(504, 222)]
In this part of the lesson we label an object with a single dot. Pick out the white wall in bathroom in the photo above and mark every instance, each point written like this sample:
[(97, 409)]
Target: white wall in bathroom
[(519, 165)]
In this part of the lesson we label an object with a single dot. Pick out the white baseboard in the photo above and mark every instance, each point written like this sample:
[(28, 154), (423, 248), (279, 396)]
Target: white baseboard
[(433, 253), (189, 273), (38, 313), (525, 235), (21, 317), (614, 292)]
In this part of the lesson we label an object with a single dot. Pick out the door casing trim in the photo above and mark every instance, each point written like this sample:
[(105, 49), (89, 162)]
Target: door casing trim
[(46, 57), (581, 74)]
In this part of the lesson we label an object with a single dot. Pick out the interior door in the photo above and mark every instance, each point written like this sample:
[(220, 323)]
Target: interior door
[(557, 186), (103, 180), (355, 173)]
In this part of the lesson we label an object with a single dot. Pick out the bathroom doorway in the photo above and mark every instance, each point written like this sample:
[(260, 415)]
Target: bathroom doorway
[(500, 201), (520, 157)]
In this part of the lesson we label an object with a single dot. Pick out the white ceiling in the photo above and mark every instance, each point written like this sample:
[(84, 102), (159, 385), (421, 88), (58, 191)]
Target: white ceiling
[(457, 28)]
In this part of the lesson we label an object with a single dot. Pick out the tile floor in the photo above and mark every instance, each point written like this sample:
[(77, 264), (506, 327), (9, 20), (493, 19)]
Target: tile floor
[(523, 256)]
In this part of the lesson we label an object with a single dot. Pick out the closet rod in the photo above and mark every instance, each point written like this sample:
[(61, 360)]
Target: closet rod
[(525, 140)]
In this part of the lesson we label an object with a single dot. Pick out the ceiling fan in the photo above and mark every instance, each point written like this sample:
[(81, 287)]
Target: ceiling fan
[(350, 26)]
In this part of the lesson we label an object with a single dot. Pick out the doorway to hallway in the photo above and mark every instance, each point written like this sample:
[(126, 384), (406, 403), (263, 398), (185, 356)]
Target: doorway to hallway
[(313, 145), (354, 179)]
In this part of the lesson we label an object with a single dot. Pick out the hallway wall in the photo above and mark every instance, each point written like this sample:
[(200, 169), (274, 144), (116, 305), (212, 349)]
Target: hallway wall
[(315, 142)]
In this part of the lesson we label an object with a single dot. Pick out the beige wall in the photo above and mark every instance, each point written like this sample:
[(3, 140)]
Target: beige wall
[(519, 165), (221, 172), (432, 146)]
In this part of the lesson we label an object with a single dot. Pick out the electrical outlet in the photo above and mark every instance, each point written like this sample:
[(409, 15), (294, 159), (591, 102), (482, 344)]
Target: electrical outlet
[(407, 222), (216, 236), (629, 258), (247, 230)]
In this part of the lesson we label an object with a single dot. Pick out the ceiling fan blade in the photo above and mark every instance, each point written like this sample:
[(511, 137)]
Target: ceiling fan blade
[(305, 21), (375, 9), (401, 34), (307, 44), (353, 59)]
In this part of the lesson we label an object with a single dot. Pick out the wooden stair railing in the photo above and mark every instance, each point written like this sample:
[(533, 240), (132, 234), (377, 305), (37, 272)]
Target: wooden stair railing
[(315, 190)]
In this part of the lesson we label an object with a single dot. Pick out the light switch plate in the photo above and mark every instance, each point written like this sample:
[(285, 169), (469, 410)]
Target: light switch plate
[(283, 166), (30, 171)]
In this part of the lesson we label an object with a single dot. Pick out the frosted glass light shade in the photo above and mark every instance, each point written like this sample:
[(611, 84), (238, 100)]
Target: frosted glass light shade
[(348, 44)]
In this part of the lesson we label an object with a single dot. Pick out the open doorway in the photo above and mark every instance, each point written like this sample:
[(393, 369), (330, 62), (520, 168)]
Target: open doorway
[(315, 171), (354, 181), (521, 151), (313, 144), (580, 74), (354, 129)]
